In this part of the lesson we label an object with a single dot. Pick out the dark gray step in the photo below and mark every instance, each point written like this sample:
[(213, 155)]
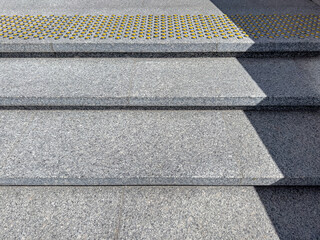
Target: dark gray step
[(160, 212), (170, 82), (170, 27), (160, 147)]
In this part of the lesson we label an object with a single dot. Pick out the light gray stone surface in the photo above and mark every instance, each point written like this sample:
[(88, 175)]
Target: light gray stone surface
[(11, 132), (137, 147), (159, 212), (122, 147), (194, 213), (220, 213), (60, 82), (226, 82), (59, 212), (47, 7), (159, 46)]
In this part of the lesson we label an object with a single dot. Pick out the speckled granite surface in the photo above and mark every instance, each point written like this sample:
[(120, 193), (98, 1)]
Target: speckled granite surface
[(171, 82), (159, 212), (138, 147)]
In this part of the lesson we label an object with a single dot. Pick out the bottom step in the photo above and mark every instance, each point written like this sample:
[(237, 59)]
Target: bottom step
[(119, 147), (160, 212)]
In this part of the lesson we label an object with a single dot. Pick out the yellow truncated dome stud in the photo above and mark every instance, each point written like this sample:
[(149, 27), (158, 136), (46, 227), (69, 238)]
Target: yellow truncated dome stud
[(171, 26)]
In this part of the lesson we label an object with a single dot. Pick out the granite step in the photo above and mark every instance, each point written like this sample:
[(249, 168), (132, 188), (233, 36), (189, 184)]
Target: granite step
[(317, 2), (244, 83), (203, 26), (182, 212), (153, 147)]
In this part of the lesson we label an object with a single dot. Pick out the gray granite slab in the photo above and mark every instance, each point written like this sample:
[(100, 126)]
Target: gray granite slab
[(265, 45), (61, 82), (47, 7), (220, 213), (105, 82), (280, 148), (156, 46), (312, 67), (159, 212), (13, 125), (25, 47), (130, 47), (224, 82), (122, 147), (184, 147), (294, 211), (59, 212)]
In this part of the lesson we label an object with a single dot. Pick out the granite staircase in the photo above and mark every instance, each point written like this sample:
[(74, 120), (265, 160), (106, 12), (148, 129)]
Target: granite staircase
[(160, 119)]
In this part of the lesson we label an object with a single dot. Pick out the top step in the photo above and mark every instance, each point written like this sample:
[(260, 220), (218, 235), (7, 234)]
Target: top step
[(168, 26)]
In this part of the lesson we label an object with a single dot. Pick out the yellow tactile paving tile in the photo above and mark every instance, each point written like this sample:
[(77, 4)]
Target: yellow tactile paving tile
[(159, 27)]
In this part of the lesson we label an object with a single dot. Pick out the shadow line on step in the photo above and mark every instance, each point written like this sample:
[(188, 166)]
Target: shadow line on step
[(291, 139)]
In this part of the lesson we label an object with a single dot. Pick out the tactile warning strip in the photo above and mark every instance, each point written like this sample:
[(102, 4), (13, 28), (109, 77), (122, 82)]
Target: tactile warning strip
[(159, 26)]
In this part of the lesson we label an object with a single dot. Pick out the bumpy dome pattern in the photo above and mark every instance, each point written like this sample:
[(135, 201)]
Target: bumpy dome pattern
[(159, 27)]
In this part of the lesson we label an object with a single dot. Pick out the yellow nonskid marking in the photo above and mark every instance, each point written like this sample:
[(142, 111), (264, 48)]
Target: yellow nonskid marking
[(160, 26)]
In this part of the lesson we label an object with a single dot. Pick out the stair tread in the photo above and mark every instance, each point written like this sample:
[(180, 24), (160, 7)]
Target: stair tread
[(216, 165), (116, 147), (226, 82), (107, 7), (160, 212), (268, 27)]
